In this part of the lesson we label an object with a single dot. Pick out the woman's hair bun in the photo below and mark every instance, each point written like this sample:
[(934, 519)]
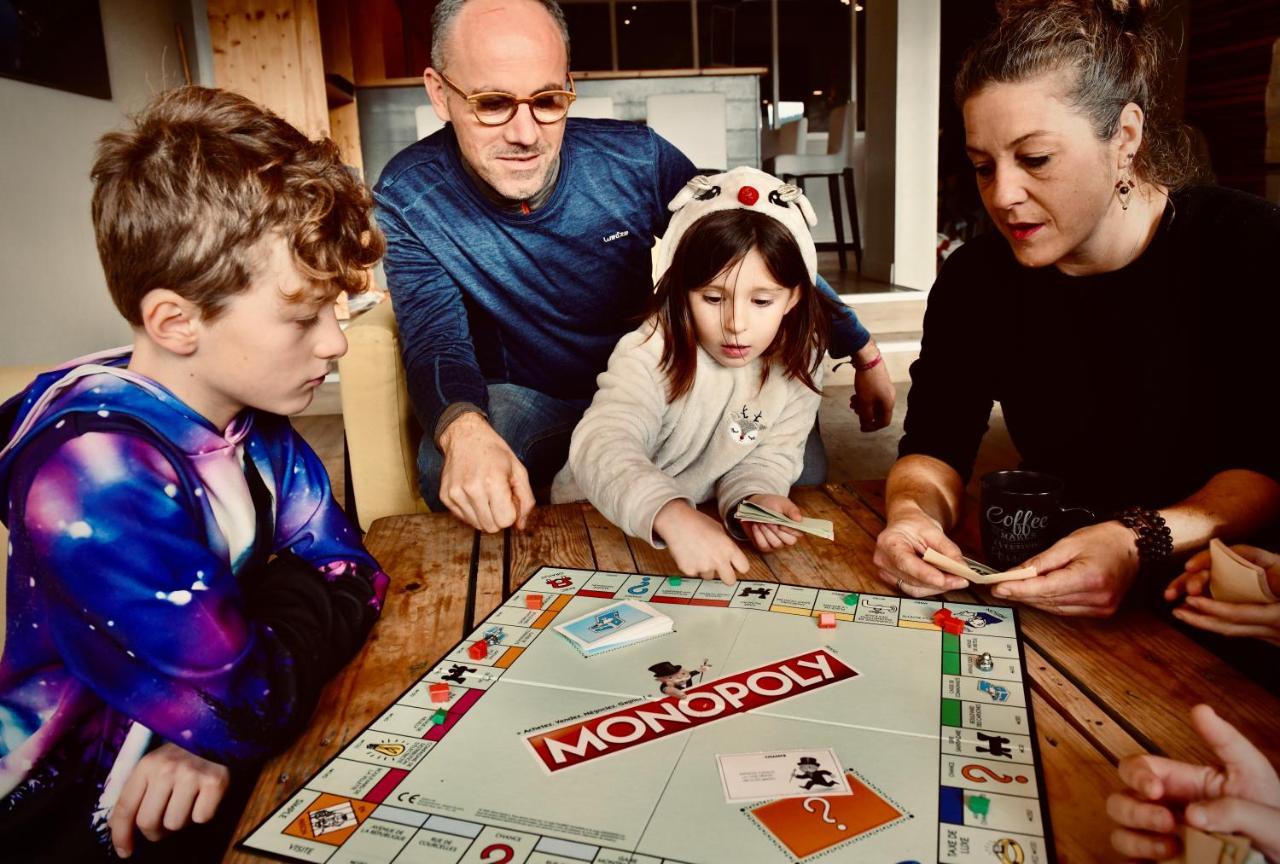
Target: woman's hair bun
[(1129, 15)]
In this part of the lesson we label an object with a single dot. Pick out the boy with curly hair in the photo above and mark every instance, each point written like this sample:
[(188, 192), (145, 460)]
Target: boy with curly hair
[(181, 581)]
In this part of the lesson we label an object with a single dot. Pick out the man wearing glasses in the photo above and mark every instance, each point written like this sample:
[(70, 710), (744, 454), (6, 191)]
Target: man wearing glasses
[(518, 253)]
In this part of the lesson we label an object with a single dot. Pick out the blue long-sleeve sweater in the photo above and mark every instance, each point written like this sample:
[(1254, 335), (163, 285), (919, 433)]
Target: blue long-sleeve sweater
[(487, 295)]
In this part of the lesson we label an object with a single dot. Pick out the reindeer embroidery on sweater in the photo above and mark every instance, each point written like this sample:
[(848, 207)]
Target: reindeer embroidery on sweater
[(745, 428)]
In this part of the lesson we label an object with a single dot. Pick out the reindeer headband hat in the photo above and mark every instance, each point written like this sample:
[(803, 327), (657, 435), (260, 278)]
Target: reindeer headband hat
[(742, 188)]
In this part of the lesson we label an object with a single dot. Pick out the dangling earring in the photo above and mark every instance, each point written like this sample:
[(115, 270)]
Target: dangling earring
[(1125, 185)]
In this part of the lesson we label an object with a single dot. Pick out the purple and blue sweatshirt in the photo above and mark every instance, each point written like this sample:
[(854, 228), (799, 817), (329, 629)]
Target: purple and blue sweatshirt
[(167, 581)]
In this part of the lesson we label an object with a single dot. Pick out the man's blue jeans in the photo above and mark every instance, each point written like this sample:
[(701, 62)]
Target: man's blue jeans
[(537, 428)]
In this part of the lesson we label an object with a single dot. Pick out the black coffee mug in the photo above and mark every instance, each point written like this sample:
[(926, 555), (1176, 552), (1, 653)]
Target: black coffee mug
[(1022, 514)]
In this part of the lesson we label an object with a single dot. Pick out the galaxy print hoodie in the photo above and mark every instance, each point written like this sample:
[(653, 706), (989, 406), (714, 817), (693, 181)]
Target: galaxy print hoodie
[(167, 581)]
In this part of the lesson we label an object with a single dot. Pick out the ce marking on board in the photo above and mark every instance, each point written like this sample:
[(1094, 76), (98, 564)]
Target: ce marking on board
[(408, 798)]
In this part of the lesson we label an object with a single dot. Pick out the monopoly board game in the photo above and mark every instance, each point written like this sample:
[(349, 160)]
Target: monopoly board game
[(536, 754)]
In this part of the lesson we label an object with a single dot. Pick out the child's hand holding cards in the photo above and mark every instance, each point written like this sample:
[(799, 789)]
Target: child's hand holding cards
[(750, 511)]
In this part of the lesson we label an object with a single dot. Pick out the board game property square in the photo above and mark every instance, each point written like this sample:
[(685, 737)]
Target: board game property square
[(614, 758)]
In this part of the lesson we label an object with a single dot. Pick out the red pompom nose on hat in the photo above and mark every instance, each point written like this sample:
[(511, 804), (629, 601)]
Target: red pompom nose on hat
[(748, 195)]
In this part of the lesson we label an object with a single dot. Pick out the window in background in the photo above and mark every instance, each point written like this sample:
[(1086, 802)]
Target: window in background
[(736, 33), (814, 55), (589, 40), (654, 35)]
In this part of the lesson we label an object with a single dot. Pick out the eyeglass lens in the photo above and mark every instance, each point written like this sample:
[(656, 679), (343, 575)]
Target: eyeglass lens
[(498, 108)]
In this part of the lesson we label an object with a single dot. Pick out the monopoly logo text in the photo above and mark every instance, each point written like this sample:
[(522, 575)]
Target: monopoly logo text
[(706, 703)]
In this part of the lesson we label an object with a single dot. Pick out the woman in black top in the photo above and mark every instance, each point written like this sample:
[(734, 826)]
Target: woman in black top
[(1120, 316)]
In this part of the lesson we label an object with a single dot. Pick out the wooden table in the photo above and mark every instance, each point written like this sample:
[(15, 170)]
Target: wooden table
[(1101, 690)]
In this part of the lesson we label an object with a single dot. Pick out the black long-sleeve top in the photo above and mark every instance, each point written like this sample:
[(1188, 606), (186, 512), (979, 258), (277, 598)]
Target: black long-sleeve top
[(1134, 386)]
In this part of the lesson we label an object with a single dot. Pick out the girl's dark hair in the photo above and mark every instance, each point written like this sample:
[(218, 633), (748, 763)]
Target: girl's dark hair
[(719, 240), (1115, 51)]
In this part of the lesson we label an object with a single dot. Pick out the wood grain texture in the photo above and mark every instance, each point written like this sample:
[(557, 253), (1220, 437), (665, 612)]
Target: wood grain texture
[(555, 535), (608, 543), (1149, 676), (489, 576), (843, 564), (1077, 781), (1074, 705), (870, 520), (428, 558), (269, 51), (871, 493)]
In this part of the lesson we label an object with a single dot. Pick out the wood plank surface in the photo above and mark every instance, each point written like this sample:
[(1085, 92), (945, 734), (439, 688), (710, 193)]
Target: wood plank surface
[(1077, 782), (843, 564), (554, 536), (870, 520), (608, 543), (1149, 676), (1074, 705), (490, 580), (428, 559)]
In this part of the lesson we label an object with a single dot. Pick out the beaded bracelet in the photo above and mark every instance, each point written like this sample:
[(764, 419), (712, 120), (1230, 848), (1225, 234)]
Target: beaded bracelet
[(1152, 536)]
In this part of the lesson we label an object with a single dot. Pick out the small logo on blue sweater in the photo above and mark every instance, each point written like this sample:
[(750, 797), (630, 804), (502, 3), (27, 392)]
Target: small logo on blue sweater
[(616, 235)]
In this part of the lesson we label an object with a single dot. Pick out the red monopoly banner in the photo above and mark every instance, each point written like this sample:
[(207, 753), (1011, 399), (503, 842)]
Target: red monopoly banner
[(706, 703)]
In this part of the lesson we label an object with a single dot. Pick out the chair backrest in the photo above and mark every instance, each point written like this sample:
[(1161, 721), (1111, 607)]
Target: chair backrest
[(791, 136), (427, 121), (696, 123), (840, 129), (593, 106), (381, 432)]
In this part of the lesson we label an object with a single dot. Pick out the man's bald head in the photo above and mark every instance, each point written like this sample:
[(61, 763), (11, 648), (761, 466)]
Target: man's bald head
[(447, 11)]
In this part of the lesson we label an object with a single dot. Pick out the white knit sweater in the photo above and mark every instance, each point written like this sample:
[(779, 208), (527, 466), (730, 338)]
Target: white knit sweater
[(632, 452)]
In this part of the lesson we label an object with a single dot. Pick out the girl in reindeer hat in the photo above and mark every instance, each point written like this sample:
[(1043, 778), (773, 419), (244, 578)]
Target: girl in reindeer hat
[(715, 394)]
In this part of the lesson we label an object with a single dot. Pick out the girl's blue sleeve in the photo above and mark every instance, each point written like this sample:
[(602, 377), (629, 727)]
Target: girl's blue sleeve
[(848, 336)]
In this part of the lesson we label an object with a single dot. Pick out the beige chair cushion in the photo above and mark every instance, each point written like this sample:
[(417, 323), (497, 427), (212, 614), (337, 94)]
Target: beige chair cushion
[(382, 434)]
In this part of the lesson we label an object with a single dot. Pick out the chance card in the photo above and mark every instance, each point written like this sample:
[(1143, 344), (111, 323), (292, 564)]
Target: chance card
[(781, 774), (605, 622)]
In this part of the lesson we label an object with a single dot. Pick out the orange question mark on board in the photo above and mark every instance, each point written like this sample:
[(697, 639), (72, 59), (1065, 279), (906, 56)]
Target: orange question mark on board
[(502, 849), (975, 772)]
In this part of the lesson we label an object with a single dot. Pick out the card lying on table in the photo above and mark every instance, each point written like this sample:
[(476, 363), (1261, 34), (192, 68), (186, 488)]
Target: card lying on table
[(781, 774), (614, 625), (749, 511)]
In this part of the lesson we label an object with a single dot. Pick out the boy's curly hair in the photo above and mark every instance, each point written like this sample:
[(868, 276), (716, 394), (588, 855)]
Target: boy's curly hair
[(183, 197)]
